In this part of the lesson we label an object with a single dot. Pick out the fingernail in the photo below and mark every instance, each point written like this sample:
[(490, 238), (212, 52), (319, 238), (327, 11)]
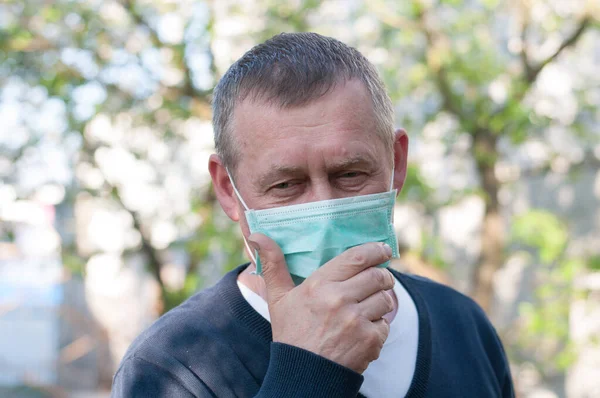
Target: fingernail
[(387, 249)]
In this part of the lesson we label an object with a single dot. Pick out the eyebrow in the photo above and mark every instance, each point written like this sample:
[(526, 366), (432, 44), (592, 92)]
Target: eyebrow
[(277, 171), (352, 161)]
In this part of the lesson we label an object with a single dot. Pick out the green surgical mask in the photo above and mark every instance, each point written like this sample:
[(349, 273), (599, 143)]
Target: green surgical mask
[(311, 234)]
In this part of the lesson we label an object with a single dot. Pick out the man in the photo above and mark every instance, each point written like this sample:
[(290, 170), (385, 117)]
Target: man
[(308, 164)]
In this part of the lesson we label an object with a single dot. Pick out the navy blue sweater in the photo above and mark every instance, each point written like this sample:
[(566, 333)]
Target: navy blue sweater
[(216, 345)]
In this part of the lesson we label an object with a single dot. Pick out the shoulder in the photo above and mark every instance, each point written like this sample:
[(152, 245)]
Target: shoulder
[(203, 319), (160, 358), (139, 377), (456, 318), (183, 323)]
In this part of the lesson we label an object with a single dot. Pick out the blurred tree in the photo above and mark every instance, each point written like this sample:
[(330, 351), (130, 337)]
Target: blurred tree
[(117, 93), (140, 61), (132, 81), (544, 330), (478, 62)]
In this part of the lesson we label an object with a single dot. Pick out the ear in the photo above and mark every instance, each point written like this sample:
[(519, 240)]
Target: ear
[(223, 187), (400, 158)]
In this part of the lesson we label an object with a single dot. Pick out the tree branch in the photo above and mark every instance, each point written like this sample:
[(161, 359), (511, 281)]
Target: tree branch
[(533, 72), (399, 22), (131, 9), (448, 97), (523, 53), (188, 88), (389, 17), (449, 101), (211, 33), (147, 248)]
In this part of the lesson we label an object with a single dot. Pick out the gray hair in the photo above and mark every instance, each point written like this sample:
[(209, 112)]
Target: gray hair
[(289, 70)]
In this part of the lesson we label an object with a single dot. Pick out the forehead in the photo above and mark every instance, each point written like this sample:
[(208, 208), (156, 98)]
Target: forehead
[(345, 108), (333, 133)]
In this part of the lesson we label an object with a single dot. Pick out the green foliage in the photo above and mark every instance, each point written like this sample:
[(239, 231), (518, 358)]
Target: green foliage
[(415, 187), (544, 334), (432, 251), (173, 298), (452, 3), (542, 231), (593, 263), (215, 234), (73, 262), (287, 16)]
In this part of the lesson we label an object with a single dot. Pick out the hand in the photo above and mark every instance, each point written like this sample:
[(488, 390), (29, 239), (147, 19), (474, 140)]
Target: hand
[(337, 311)]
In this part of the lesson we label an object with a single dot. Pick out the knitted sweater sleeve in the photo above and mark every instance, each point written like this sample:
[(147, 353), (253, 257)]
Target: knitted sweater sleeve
[(292, 372), (138, 377)]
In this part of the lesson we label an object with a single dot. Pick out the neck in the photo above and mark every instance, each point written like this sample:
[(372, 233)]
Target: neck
[(257, 284)]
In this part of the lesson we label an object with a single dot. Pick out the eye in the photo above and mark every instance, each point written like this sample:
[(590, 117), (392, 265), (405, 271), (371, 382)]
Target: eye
[(286, 189), (282, 185), (350, 174), (351, 180)]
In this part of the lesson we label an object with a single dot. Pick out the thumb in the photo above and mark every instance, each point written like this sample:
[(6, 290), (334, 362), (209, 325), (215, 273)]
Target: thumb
[(274, 270)]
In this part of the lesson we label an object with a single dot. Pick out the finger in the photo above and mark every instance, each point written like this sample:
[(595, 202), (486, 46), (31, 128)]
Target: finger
[(274, 270), (382, 327), (355, 260), (376, 305), (368, 282), (381, 331)]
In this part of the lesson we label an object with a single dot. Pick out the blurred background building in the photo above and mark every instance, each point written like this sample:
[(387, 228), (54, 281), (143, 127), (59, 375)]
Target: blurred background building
[(107, 217)]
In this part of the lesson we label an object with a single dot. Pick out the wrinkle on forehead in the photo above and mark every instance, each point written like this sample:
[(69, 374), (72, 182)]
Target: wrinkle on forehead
[(350, 100)]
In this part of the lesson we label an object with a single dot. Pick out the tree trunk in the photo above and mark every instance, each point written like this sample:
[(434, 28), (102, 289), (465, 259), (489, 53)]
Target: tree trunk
[(493, 231), (154, 262)]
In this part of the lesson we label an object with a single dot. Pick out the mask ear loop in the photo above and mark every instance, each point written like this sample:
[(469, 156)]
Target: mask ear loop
[(237, 193), (250, 254), (393, 207)]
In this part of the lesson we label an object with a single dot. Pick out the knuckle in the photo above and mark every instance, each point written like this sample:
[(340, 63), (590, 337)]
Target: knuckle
[(387, 301), (378, 277), (375, 352), (385, 330), (336, 302), (357, 258), (352, 322), (373, 340), (390, 282), (311, 285)]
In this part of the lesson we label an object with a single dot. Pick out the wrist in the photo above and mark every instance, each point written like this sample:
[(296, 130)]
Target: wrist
[(294, 371)]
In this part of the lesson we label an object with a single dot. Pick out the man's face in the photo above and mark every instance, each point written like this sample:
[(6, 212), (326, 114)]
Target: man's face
[(327, 149)]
